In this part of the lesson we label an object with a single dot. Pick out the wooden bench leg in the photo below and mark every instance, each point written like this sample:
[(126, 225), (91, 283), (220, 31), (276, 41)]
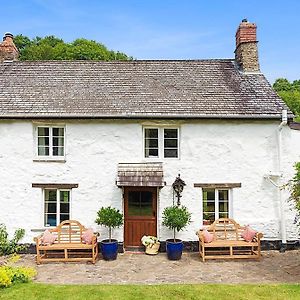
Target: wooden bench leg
[(66, 254), (38, 255)]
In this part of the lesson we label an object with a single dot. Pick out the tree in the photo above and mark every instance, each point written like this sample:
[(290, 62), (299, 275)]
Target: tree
[(290, 93), (53, 48)]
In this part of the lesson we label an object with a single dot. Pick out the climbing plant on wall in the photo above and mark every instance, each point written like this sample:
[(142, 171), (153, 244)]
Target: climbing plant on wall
[(294, 186)]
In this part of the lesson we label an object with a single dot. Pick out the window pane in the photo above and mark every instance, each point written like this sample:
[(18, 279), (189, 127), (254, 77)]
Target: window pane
[(170, 143), (140, 204), (50, 207), (58, 151), (64, 217), (170, 153), (58, 131), (151, 152), (43, 151), (43, 141), (151, 143), (223, 195), (208, 218), (58, 141), (170, 133), (223, 207), (64, 196), (50, 220), (151, 133), (208, 206), (223, 215), (50, 195), (43, 131), (208, 194)]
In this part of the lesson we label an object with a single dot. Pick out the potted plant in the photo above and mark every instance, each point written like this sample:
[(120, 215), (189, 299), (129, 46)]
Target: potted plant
[(111, 218), (151, 243), (175, 218)]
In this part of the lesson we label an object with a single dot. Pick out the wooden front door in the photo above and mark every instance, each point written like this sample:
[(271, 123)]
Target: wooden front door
[(140, 207)]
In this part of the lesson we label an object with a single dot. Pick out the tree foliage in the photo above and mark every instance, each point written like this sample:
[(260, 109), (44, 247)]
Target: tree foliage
[(176, 218), (53, 48), (290, 93), (109, 217)]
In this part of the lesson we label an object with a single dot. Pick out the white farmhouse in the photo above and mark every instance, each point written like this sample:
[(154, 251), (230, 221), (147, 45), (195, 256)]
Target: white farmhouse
[(78, 135)]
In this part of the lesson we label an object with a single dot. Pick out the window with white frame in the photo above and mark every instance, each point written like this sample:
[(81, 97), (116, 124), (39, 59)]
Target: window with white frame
[(161, 143), (50, 141), (216, 204), (56, 206)]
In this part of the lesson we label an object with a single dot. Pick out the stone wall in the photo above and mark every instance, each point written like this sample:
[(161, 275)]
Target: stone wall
[(210, 152)]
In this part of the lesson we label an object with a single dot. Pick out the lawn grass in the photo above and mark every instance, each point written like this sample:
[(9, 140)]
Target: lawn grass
[(154, 292)]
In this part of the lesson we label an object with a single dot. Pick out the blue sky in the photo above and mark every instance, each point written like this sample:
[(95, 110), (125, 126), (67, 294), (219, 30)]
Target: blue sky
[(167, 29)]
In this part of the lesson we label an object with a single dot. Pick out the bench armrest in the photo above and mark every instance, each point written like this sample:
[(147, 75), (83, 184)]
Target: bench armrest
[(38, 239), (258, 236), (199, 233)]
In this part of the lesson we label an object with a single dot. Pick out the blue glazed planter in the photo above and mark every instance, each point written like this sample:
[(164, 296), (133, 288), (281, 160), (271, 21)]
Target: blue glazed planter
[(174, 249), (109, 250)]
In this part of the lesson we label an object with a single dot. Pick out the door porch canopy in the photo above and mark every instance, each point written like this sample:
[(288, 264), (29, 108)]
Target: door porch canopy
[(140, 174)]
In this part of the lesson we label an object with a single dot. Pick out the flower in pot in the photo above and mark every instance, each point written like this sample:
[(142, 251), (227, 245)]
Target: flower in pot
[(175, 218), (151, 243), (111, 218)]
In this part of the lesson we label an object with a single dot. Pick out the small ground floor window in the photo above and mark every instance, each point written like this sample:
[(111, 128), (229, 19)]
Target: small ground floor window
[(56, 206), (216, 204)]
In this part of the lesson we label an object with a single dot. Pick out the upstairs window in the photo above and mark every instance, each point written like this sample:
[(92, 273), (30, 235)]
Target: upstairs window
[(161, 142), (51, 141)]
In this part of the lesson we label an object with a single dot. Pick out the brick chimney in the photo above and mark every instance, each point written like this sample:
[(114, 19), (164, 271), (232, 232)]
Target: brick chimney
[(8, 50), (246, 53)]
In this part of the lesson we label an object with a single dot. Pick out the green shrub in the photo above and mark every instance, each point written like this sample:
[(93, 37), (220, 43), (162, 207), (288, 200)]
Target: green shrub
[(10, 246), (109, 217), (176, 218), (10, 275)]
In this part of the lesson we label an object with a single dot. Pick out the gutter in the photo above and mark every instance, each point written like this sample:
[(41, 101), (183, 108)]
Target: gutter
[(143, 116)]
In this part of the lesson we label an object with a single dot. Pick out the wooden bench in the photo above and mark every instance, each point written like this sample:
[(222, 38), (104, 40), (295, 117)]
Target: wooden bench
[(227, 242), (68, 245)]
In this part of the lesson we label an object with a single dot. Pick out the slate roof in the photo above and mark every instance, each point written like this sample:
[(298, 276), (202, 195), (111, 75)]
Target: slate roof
[(134, 89)]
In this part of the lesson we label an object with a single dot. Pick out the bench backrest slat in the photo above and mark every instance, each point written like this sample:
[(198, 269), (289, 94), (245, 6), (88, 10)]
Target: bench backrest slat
[(226, 229), (70, 231)]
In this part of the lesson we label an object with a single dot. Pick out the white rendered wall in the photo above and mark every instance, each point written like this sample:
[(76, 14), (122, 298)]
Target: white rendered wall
[(210, 152)]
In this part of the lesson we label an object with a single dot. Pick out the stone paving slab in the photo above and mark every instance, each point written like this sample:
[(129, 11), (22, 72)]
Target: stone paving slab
[(129, 268)]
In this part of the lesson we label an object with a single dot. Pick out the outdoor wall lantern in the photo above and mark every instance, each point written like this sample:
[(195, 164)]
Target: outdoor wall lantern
[(178, 186)]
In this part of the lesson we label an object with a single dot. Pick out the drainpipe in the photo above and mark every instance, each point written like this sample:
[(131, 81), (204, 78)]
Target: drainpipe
[(281, 200)]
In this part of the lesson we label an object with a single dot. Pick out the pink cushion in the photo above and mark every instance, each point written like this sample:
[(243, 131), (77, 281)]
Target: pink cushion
[(87, 236), (208, 237), (48, 238), (248, 234)]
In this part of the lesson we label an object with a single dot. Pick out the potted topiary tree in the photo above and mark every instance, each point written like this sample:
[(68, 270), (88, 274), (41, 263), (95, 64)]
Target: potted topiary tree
[(111, 218), (175, 218)]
